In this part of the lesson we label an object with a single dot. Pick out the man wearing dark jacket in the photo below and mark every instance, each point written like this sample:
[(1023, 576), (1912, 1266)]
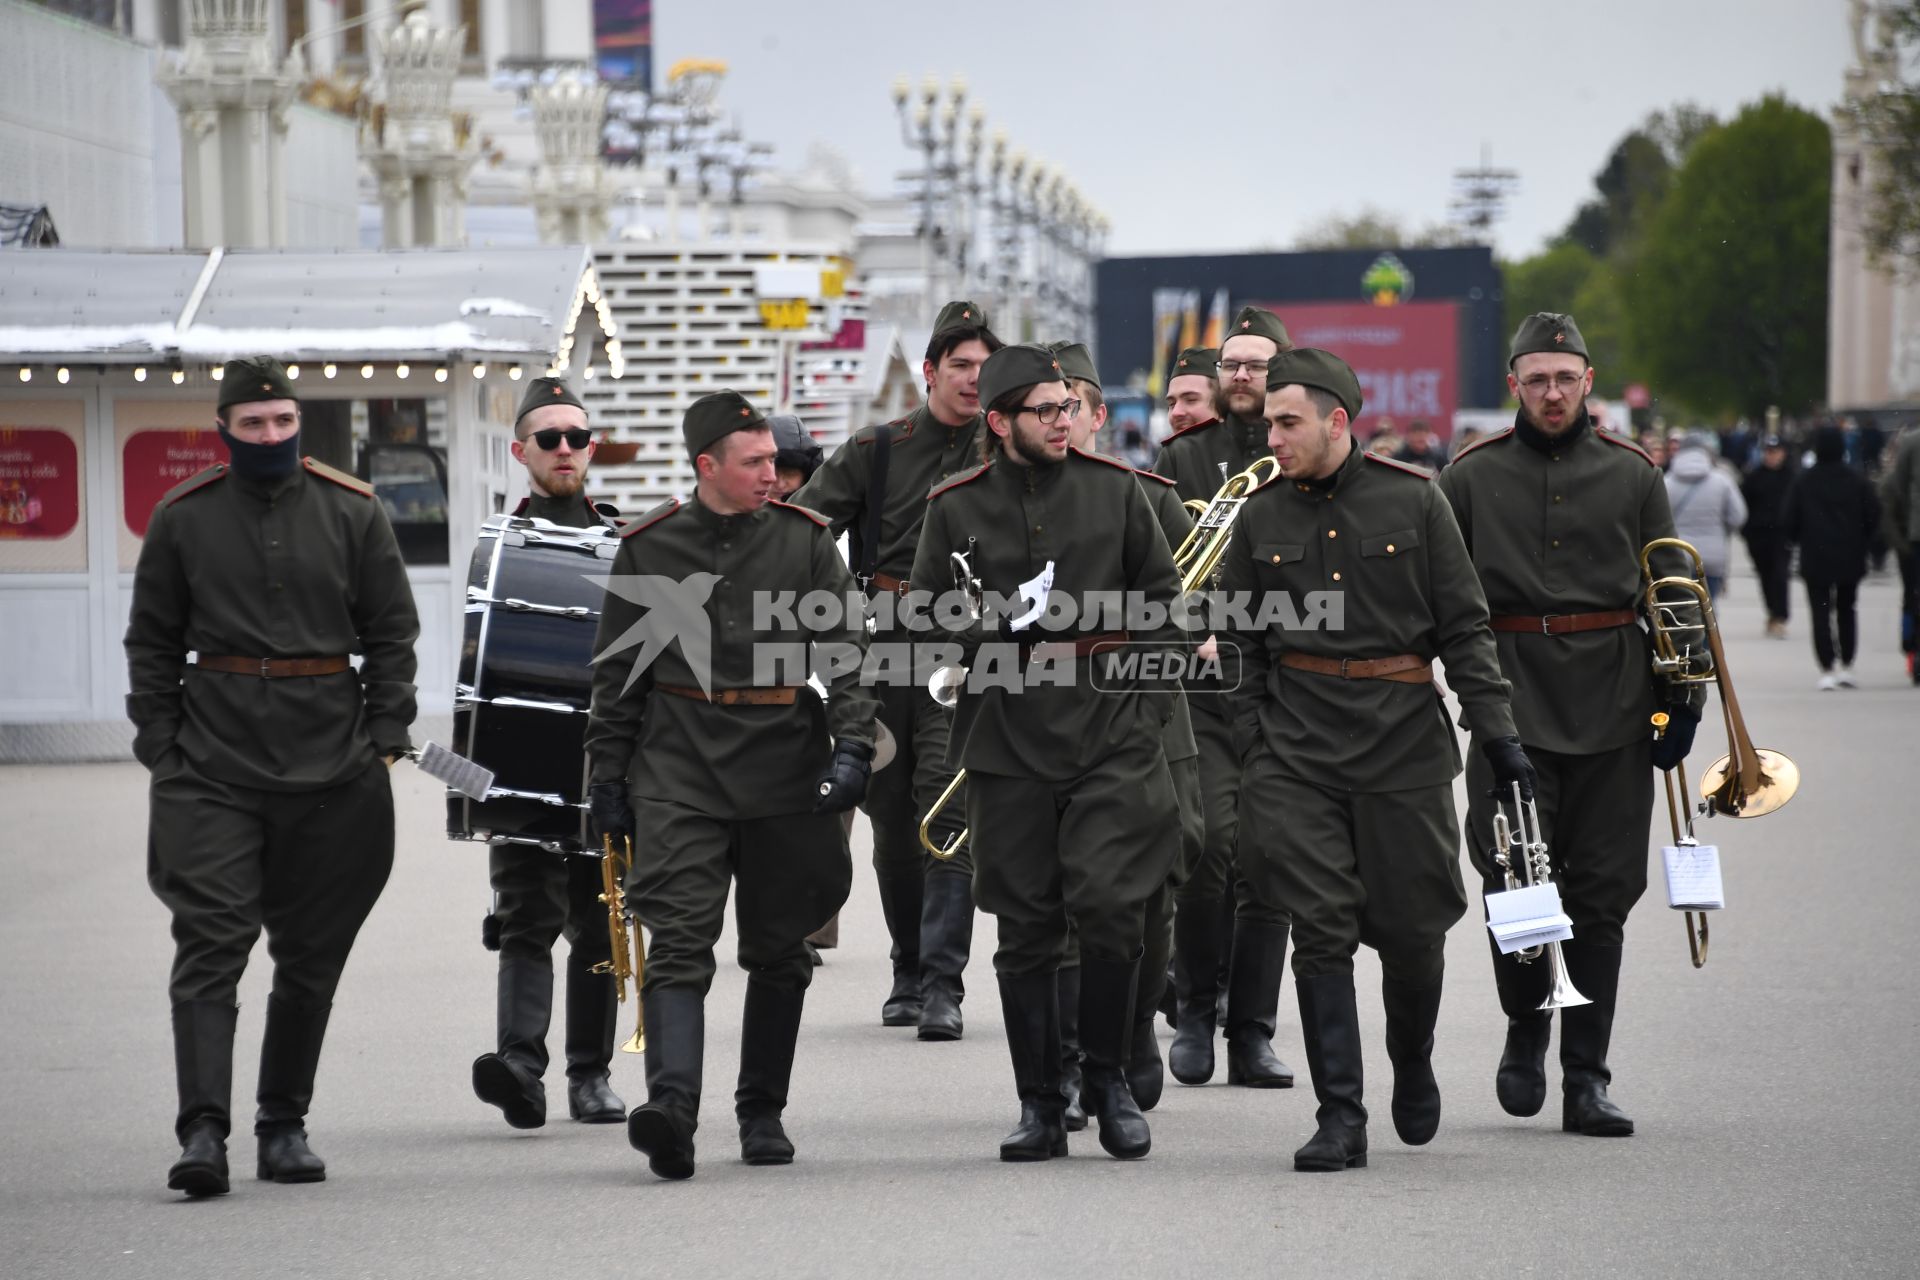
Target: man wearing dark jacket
[(1832, 514), (1765, 490)]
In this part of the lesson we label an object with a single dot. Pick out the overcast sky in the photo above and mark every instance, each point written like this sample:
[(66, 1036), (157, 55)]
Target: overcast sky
[(1231, 127)]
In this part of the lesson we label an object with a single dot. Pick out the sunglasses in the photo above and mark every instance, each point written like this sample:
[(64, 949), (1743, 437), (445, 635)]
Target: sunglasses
[(549, 440)]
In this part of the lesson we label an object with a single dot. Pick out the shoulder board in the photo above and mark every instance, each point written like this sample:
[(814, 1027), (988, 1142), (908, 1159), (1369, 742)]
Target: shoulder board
[(902, 428), (808, 512), (652, 517), (973, 474), (1627, 444), (1101, 457), (1268, 484), (352, 484), (1195, 429), (1483, 442), (1397, 465), (192, 483), (1152, 475)]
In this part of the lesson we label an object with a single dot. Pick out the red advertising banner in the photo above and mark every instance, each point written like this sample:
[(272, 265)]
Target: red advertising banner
[(39, 483), (1407, 356), (153, 461)]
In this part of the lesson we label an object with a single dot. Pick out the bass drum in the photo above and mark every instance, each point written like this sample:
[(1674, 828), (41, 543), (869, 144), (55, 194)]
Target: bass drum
[(525, 684)]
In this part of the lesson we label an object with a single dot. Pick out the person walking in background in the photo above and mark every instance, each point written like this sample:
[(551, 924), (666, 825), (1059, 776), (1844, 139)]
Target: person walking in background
[(1832, 514), (1900, 497), (1765, 490), (1707, 506)]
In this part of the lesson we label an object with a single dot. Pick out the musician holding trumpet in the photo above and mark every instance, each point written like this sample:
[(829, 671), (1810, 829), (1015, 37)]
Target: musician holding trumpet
[(1346, 799), (1555, 514)]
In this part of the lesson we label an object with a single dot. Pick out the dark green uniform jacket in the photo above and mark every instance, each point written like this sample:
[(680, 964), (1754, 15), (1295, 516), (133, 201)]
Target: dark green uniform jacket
[(1175, 522), (1200, 459), (1557, 527), (1378, 535), (304, 566), (923, 453), (1091, 518), (732, 762)]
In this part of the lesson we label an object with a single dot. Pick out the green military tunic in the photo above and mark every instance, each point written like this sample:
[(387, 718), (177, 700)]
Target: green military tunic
[(1346, 802), (922, 453), (724, 789), (1069, 798), (270, 802), (1204, 456), (1555, 526)]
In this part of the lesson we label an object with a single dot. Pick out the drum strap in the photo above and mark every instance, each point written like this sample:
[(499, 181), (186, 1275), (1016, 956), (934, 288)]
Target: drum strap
[(876, 505)]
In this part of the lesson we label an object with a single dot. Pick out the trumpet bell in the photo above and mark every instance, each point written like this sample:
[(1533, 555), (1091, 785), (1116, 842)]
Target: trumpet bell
[(1779, 779), (944, 685)]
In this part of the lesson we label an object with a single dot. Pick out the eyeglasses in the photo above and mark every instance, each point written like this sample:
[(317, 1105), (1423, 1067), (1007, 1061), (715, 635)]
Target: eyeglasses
[(549, 440), (1565, 383), (1049, 413), (1228, 368)]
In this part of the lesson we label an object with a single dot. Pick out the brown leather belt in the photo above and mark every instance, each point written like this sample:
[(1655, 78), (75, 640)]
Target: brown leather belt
[(887, 582), (1402, 668), (1560, 624), (775, 696), (1079, 647), (274, 668)]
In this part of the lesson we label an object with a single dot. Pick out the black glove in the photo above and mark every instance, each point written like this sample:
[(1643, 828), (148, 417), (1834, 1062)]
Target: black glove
[(1671, 747), (845, 783), (1510, 765), (611, 811)]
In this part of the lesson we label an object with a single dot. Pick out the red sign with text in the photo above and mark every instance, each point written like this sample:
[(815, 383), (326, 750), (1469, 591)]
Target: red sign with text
[(39, 483), (1407, 357), (154, 461)]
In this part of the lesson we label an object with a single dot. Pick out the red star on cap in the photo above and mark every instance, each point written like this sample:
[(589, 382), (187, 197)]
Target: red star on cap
[(746, 413), (1559, 337), (555, 390), (966, 315), (266, 386), (1246, 324)]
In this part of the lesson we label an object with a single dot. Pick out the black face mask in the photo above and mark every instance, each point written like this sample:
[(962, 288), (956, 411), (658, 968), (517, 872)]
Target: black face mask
[(263, 461)]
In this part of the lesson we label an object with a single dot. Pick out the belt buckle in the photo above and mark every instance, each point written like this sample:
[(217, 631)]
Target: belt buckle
[(1546, 623), (1343, 668), (263, 667)]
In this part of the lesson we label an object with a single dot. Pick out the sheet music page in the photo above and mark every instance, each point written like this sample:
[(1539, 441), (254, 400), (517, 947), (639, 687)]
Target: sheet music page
[(1693, 877)]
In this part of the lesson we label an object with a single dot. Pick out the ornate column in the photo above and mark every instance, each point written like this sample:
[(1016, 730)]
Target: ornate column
[(232, 97), (572, 191), (418, 149)]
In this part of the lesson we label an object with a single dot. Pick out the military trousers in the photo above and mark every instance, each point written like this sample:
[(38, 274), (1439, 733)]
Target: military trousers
[(899, 795), (1595, 812), (1185, 777), (1097, 846), (1217, 868), (789, 874), (540, 897), (229, 861), (1380, 868)]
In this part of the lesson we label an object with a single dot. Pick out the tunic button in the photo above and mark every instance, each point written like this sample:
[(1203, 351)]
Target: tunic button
[(1389, 548), (1333, 533), (1556, 542), (726, 546), (1556, 497), (1276, 559), (1036, 528), (1336, 577)]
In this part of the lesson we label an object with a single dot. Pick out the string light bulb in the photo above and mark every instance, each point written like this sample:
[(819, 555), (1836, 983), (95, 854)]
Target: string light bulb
[(293, 373), (513, 373), (401, 370), (61, 375), (140, 373), (219, 371), (26, 374), (179, 376), (440, 374), (329, 368), (366, 371), (480, 370)]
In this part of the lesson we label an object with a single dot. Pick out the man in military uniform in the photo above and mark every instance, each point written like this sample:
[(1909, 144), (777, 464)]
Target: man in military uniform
[(874, 488), (1253, 940), (706, 739), (1069, 800), (1346, 793), (1145, 1072), (539, 895), (270, 802), (1555, 515), (1193, 389)]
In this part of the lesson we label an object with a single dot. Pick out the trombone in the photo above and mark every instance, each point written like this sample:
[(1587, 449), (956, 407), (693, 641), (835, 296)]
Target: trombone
[(944, 688), (1747, 782), (1198, 554), (629, 958), (1536, 868)]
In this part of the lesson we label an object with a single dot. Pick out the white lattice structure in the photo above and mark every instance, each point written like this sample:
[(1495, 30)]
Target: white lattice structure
[(690, 323)]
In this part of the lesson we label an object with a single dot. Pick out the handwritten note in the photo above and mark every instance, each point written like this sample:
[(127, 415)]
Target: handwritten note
[(1693, 877)]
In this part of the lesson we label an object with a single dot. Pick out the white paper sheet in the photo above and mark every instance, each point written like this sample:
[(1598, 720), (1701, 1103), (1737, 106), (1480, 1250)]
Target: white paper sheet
[(1527, 917), (1693, 877), (1034, 592)]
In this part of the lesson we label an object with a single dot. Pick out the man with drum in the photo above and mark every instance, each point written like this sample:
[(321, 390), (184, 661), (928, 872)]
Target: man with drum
[(270, 803), (540, 895), (706, 740)]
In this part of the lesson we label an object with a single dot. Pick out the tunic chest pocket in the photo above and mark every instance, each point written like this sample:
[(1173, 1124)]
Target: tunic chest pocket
[(1391, 545), (1274, 561)]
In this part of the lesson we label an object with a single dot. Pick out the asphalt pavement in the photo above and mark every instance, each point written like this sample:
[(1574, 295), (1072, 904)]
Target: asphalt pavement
[(1776, 1133)]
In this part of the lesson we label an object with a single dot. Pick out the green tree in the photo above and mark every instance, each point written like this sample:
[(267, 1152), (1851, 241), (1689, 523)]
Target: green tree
[(1727, 296), (1888, 118), (1372, 228)]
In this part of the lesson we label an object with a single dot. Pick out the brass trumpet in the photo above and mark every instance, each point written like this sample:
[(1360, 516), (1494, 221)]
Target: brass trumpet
[(1536, 867), (1747, 782), (629, 958), (1198, 554), (944, 688)]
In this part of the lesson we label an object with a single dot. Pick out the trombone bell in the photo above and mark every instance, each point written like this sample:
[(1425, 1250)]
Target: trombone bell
[(1720, 786)]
